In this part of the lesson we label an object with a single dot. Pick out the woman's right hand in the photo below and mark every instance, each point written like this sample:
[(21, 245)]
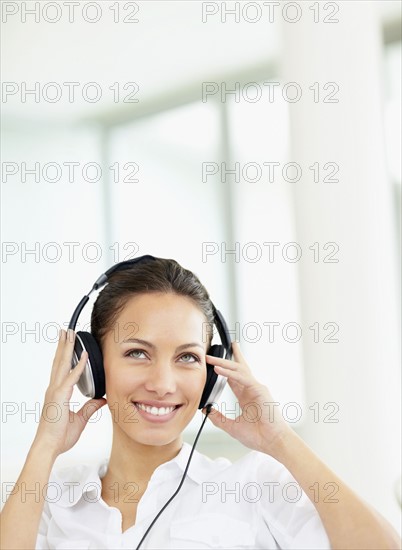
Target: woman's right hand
[(59, 427)]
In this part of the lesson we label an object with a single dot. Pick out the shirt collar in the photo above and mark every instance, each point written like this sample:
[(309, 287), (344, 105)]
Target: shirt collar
[(84, 481), (179, 463)]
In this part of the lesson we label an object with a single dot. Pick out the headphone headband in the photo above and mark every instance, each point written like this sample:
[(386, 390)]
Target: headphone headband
[(101, 282), (103, 279)]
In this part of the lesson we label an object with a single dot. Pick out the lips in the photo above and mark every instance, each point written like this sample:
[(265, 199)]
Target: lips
[(151, 411), (156, 411)]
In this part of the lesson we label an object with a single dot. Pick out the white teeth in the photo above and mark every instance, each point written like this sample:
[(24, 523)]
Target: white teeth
[(156, 411)]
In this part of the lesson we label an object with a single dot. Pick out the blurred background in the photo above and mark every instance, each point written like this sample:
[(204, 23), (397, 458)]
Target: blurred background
[(256, 143)]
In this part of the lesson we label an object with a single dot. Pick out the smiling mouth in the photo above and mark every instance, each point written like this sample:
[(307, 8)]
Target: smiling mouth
[(155, 411)]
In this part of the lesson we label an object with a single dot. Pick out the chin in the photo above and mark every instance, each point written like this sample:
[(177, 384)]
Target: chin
[(155, 439), (161, 442)]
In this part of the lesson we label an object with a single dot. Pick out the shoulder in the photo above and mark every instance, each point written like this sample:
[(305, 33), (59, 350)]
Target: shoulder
[(251, 459), (79, 473), (253, 465), (67, 484)]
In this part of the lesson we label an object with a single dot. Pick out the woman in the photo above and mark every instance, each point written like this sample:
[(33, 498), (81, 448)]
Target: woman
[(155, 376)]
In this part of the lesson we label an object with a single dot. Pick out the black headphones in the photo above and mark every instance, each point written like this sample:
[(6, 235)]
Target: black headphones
[(92, 380)]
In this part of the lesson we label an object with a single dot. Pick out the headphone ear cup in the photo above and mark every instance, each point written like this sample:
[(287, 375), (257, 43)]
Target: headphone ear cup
[(214, 383), (92, 381)]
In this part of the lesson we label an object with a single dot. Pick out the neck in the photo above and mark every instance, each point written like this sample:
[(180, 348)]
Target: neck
[(131, 461)]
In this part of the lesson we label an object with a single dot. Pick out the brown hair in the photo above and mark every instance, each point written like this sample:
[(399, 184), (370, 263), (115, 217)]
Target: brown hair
[(159, 275)]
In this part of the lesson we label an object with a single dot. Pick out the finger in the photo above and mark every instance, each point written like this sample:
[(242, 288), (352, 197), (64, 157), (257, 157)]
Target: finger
[(67, 384), (64, 366), (229, 363), (220, 421), (240, 377), (69, 344), (60, 343), (90, 407), (237, 354), (58, 354), (76, 372)]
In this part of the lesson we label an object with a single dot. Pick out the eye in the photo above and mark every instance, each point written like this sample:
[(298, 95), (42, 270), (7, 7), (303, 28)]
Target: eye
[(133, 353), (191, 356)]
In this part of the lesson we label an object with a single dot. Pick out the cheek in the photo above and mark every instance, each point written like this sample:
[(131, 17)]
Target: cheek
[(117, 378), (118, 375), (192, 384)]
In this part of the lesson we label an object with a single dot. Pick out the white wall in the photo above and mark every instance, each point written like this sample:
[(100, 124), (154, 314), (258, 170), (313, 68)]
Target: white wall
[(362, 372)]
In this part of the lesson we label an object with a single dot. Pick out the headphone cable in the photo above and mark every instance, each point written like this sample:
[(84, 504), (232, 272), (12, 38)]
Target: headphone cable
[(208, 410)]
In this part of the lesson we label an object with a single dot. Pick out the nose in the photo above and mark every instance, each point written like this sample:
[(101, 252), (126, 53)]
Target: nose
[(161, 379)]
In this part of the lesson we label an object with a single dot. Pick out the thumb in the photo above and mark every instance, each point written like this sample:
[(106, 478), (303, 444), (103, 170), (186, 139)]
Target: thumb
[(90, 407), (219, 420)]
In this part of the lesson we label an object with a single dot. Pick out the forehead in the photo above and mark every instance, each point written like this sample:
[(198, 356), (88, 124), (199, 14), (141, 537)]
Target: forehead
[(162, 317)]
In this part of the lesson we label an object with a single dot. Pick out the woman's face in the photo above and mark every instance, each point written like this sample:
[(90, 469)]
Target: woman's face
[(155, 367)]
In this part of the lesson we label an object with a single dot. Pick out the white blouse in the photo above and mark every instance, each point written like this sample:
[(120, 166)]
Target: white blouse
[(252, 503)]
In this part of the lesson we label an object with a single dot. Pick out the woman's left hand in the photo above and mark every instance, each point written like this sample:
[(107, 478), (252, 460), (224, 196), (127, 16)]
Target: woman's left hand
[(260, 426)]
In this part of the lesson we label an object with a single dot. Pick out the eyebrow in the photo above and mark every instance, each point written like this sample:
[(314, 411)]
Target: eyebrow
[(152, 346)]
